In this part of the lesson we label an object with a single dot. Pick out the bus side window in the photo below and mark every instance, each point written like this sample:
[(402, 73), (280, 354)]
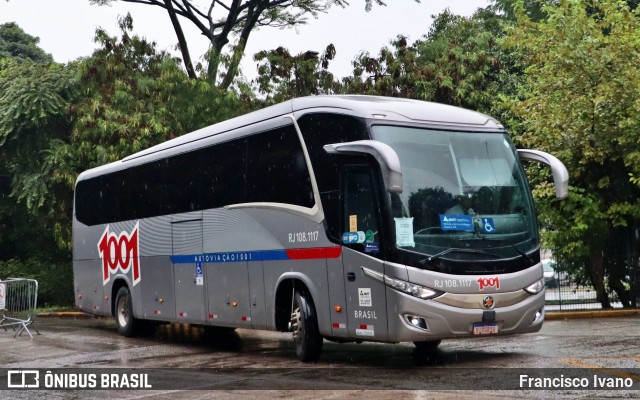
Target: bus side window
[(360, 210)]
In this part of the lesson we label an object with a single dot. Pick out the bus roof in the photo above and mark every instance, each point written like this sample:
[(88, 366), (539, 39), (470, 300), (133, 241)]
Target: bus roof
[(388, 109)]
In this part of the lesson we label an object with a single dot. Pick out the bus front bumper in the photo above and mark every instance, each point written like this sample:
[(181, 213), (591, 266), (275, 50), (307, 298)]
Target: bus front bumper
[(459, 316)]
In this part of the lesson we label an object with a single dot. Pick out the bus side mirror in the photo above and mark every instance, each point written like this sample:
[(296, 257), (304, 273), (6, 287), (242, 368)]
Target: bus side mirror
[(384, 154), (559, 171)]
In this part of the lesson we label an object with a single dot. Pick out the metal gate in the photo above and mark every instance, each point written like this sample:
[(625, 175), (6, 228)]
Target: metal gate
[(18, 301)]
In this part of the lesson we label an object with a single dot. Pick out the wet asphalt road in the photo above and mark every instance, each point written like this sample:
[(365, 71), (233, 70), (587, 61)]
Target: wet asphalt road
[(248, 364)]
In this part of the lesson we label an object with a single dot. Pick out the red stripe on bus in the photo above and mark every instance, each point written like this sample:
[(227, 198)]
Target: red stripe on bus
[(314, 253)]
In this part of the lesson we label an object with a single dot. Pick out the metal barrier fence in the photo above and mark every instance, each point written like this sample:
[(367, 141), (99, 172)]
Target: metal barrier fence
[(564, 294), (18, 301)]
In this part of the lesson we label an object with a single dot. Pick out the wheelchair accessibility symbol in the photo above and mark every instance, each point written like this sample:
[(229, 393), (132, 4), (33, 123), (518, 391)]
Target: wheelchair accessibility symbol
[(488, 226)]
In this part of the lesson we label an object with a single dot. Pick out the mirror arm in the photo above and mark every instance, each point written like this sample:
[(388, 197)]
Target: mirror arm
[(559, 171), (384, 154)]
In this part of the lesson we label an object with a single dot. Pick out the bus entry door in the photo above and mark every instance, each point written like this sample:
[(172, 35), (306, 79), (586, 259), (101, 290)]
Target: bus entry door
[(188, 269), (365, 297)]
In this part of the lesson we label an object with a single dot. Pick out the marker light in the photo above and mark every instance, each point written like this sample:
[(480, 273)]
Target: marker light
[(418, 291), (536, 287)]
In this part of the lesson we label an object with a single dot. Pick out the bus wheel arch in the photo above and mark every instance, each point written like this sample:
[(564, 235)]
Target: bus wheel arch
[(296, 313), (284, 297)]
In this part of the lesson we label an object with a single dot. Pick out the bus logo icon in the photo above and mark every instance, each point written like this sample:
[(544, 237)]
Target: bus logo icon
[(119, 253), (488, 302), (18, 379)]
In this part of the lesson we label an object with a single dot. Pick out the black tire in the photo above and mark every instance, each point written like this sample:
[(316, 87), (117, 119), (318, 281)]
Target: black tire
[(426, 353), (126, 323), (428, 346), (304, 326)]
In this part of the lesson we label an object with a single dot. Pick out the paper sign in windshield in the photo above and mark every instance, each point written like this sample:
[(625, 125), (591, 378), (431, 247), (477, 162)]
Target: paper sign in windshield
[(456, 222), (404, 232)]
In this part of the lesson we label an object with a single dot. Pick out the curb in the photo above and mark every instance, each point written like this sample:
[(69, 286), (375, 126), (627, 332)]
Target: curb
[(69, 315), (549, 316), (586, 314)]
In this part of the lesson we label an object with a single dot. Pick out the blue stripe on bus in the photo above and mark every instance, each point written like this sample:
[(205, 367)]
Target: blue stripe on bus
[(230, 257), (260, 255)]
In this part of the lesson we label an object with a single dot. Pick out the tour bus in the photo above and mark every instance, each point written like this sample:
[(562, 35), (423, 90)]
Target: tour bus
[(346, 218)]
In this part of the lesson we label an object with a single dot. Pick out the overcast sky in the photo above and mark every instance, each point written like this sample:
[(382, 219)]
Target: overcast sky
[(66, 27)]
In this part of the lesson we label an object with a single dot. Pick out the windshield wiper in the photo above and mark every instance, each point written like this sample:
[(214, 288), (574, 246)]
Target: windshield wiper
[(523, 254), (478, 237), (437, 256)]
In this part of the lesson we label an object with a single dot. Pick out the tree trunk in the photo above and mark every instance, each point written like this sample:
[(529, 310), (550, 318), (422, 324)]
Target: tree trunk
[(595, 269), (182, 41), (253, 14)]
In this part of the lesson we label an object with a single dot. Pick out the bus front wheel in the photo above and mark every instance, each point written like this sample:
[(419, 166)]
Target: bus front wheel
[(304, 326), (428, 346), (125, 322)]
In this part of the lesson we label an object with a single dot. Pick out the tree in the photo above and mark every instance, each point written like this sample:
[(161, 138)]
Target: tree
[(133, 97), (34, 99), (282, 76), (466, 59), (58, 120), (509, 8), (34, 95), (17, 44), (221, 19), (578, 100), (457, 62)]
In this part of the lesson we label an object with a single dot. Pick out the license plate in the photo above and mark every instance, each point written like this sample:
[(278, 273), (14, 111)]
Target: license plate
[(485, 328)]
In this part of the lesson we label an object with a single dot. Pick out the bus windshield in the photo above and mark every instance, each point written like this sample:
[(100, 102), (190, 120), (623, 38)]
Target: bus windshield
[(465, 196)]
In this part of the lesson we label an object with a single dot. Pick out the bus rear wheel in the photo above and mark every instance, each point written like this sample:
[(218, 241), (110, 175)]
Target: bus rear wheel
[(304, 326), (125, 322)]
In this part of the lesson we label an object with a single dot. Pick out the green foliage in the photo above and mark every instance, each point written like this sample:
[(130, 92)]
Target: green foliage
[(283, 76), (56, 121), (510, 8), (33, 111), (229, 26), (133, 97), (394, 72), (55, 281), (456, 63), (17, 44), (465, 59), (578, 100)]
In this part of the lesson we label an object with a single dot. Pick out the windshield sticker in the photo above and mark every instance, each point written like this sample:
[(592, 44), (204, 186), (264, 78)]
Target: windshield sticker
[(404, 232), (372, 247), (370, 235), (487, 225), (353, 223), (456, 222), (353, 237)]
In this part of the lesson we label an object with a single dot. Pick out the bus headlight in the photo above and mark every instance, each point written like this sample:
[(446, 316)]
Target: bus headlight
[(412, 289), (536, 287)]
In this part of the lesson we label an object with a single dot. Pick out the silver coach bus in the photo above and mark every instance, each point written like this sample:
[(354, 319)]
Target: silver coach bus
[(348, 218)]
